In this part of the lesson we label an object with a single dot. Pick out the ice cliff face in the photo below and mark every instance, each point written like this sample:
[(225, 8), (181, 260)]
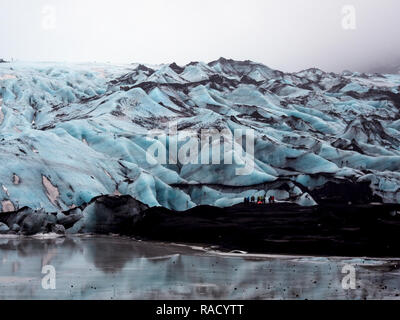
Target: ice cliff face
[(70, 133)]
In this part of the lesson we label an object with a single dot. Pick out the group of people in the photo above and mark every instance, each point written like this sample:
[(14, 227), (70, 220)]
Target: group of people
[(259, 200)]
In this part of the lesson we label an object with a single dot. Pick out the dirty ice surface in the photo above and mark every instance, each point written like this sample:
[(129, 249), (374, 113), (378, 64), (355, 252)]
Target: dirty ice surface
[(73, 132)]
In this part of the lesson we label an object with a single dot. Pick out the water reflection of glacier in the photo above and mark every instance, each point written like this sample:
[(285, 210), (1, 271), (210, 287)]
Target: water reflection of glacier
[(116, 268)]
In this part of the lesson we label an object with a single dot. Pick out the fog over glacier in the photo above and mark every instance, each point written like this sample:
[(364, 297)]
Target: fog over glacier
[(288, 35)]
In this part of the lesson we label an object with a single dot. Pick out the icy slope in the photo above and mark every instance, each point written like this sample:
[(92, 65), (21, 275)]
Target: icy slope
[(70, 133)]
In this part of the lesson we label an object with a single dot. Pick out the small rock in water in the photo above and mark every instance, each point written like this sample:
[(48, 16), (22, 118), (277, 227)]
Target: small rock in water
[(3, 228), (58, 229), (34, 223)]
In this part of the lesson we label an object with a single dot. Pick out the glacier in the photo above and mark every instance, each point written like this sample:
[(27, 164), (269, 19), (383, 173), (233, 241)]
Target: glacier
[(72, 132)]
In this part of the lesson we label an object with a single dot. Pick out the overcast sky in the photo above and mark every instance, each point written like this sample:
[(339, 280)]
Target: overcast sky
[(289, 35)]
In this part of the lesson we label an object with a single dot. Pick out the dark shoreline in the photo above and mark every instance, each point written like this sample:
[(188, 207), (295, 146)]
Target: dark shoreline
[(329, 229), (325, 230)]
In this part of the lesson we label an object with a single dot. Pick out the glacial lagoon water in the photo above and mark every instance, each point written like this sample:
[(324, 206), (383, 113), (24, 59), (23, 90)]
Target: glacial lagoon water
[(122, 268)]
